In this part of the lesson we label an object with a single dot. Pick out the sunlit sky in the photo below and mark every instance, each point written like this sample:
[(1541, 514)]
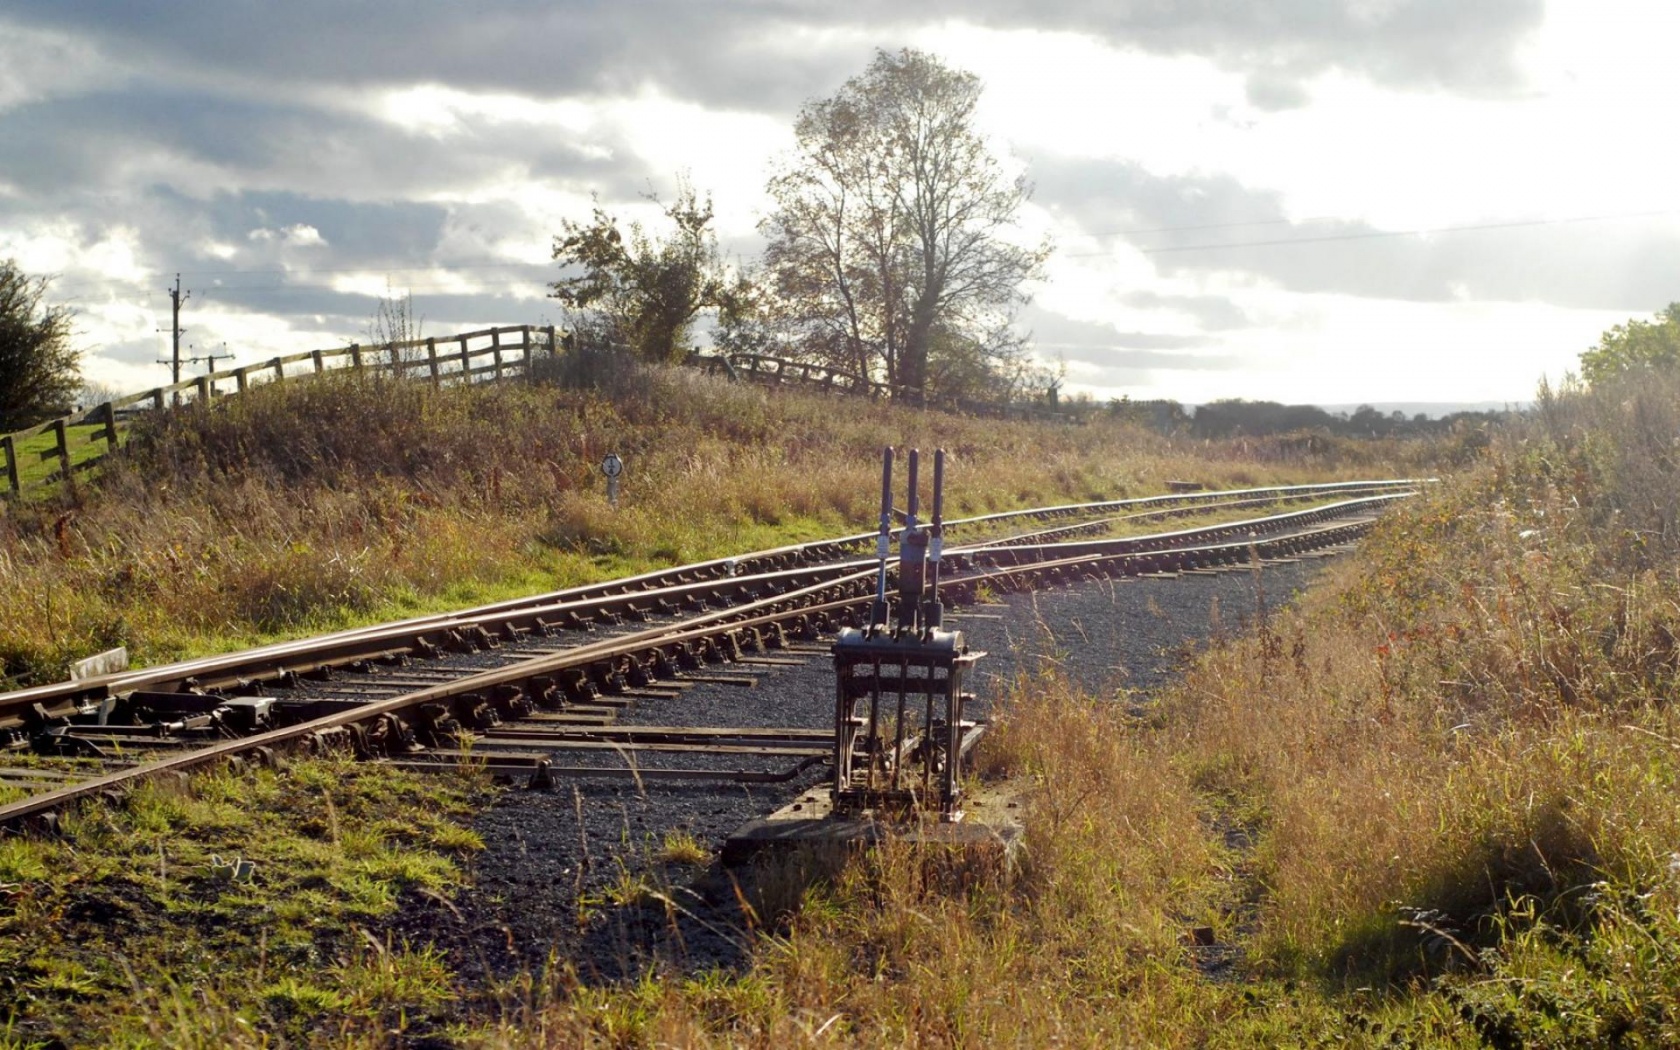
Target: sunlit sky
[(1330, 201)]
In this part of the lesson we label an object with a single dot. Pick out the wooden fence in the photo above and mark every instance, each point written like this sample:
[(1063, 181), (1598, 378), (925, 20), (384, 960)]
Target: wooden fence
[(777, 371), (762, 368), (79, 440)]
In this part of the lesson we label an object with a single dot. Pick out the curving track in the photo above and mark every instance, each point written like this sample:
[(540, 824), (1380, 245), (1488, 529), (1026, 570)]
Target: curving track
[(520, 684)]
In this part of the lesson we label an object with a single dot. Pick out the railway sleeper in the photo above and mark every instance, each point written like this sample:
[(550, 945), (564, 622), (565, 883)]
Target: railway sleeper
[(385, 736), (665, 665), (510, 701), (333, 740), (606, 679), (577, 686), (437, 724), (686, 658), (572, 620), (545, 692), (474, 711)]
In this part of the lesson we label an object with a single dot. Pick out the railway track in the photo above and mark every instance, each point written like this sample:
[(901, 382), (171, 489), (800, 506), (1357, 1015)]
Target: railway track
[(534, 688)]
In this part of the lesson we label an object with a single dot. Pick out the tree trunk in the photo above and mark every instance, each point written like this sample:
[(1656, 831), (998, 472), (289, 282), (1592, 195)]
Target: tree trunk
[(913, 358)]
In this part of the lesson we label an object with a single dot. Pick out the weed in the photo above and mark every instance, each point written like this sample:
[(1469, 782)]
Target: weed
[(680, 847)]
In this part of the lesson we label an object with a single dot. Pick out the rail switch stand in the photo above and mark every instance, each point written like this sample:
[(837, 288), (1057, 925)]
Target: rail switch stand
[(900, 731)]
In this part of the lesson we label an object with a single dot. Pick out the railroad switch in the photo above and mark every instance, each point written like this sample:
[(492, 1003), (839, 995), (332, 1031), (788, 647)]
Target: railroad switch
[(900, 731), (900, 734), (901, 725)]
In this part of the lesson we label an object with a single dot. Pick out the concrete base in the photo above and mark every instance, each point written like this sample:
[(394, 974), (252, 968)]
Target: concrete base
[(992, 820)]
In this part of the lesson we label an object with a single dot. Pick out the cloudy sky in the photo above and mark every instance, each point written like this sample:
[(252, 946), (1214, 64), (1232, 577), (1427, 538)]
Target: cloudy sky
[(1304, 200)]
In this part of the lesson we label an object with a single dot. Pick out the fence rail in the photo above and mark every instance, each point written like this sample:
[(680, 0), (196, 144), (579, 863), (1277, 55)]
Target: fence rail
[(79, 440), (776, 371), (487, 354)]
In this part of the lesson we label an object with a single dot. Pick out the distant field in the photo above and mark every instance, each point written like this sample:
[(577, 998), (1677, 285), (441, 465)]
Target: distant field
[(38, 456)]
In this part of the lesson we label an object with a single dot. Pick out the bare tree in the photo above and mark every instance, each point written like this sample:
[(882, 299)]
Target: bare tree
[(395, 325), (891, 235), (40, 372)]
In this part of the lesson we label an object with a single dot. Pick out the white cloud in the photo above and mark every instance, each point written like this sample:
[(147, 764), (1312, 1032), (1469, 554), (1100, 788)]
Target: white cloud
[(299, 235), (501, 160), (37, 64)]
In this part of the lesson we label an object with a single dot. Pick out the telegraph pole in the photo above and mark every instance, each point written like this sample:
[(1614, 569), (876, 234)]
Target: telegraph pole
[(211, 358), (176, 298), (175, 301)]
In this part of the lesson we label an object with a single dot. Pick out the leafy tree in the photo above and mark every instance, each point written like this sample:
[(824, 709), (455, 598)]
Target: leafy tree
[(639, 290), (1634, 345), (889, 238), (40, 372)]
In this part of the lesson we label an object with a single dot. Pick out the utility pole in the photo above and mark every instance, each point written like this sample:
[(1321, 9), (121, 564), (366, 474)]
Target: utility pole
[(211, 358), (176, 298)]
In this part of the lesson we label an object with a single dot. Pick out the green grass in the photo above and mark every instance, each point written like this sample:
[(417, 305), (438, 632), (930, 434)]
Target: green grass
[(121, 930), (37, 456)]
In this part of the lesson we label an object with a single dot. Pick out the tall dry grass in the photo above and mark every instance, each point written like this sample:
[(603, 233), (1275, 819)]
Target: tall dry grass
[(1433, 805)]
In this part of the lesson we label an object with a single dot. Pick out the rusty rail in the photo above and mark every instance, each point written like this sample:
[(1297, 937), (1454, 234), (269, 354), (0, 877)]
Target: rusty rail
[(819, 605)]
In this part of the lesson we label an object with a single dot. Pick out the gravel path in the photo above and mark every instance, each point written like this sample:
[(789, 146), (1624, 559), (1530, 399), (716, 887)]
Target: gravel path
[(566, 873)]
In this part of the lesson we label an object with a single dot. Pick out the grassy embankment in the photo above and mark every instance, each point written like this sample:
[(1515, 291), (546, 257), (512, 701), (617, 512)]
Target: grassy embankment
[(322, 504), (311, 505)]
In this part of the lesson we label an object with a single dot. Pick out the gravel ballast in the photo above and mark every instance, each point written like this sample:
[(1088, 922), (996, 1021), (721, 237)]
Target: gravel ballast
[(570, 876)]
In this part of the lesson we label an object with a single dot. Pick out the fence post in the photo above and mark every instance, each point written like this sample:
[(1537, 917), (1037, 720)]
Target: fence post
[(496, 350), (279, 368), (63, 450), (11, 464), (355, 355), (466, 361), (157, 400), (239, 376), (110, 412), (205, 390), (553, 347), (431, 359), (528, 347), (320, 365)]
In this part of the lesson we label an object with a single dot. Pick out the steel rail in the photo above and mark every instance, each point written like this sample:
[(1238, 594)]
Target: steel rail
[(612, 598), (349, 643), (814, 604)]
